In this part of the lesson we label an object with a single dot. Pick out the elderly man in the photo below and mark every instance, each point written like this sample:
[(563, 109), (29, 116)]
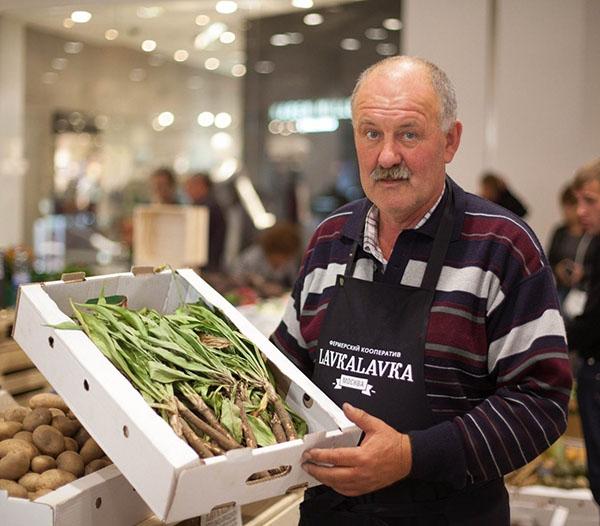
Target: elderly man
[(431, 316), (583, 331)]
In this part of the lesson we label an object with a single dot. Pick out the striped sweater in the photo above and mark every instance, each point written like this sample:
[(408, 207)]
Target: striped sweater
[(497, 374)]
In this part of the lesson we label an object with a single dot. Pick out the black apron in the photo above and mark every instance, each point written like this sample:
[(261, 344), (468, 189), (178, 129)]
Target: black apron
[(371, 354)]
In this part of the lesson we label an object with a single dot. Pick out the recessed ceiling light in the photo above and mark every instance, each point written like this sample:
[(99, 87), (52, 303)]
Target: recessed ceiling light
[(206, 119), (386, 49), (303, 4), (238, 70), (279, 39), (181, 55), (111, 34), (226, 7), (223, 120), (68, 23), (72, 48), (149, 12), (137, 75), (313, 19), (209, 35), (212, 63), (50, 77), (59, 64), (221, 141), (166, 118), (392, 24), (156, 125), (295, 38), (81, 17), (227, 38), (264, 67), (376, 33), (149, 45), (202, 20), (350, 44)]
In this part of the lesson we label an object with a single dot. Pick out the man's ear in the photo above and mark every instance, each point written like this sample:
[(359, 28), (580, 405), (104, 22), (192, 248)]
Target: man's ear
[(452, 141)]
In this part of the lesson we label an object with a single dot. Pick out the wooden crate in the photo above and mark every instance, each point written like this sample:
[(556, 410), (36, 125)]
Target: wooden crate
[(170, 235)]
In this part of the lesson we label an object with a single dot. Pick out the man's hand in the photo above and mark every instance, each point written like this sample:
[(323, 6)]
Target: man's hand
[(383, 457)]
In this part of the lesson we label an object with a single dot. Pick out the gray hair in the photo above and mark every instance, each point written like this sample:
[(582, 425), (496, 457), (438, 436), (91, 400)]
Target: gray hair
[(587, 173), (439, 80)]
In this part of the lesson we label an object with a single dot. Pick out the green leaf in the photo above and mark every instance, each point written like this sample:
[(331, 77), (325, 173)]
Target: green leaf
[(262, 432), (230, 418), (163, 374)]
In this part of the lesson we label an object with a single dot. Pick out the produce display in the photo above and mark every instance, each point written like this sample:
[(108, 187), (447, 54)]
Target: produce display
[(44, 447), (204, 377), (563, 465)]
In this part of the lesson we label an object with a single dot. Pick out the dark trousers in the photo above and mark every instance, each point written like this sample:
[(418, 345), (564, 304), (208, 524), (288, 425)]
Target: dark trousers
[(588, 399)]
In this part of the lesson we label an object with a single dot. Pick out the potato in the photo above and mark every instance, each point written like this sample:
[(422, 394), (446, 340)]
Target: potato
[(8, 429), (14, 465), (55, 478), (49, 440), (15, 444), (48, 400), (39, 493), (96, 465), (90, 451), (81, 437), (14, 489), (56, 412), (38, 417), (16, 413), (65, 425), (42, 463), (24, 435), (71, 444), (71, 462), (30, 481)]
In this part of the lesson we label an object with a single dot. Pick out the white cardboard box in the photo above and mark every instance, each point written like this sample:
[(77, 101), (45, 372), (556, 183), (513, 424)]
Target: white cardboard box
[(102, 498), (166, 472), (172, 235)]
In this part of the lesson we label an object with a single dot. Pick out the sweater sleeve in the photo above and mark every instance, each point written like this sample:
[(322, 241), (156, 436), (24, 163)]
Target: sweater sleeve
[(527, 408)]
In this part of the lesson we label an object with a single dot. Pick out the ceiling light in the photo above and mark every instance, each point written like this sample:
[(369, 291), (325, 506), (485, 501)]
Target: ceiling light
[(226, 170), (279, 39), (238, 70), (221, 141), (226, 7), (137, 74), (149, 12), (386, 49), (376, 33), (72, 48), (149, 45), (59, 64), (212, 63), (313, 19), (227, 38), (156, 125), (350, 44), (202, 20), (295, 38), (303, 4), (392, 24), (223, 120), (68, 23), (209, 35), (111, 34), (81, 17), (166, 118), (206, 119), (275, 126), (264, 67), (181, 55)]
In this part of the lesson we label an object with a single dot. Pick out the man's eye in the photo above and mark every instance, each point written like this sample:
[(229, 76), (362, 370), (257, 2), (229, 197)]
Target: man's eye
[(372, 134), (411, 136)]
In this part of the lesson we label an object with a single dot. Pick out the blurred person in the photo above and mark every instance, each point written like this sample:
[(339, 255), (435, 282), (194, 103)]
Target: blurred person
[(430, 316), (271, 264), (199, 190), (583, 332), (494, 189), (164, 187)]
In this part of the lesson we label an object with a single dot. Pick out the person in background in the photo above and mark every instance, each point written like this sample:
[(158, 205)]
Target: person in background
[(199, 190), (271, 264), (494, 189), (431, 317), (164, 187), (564, 244), (583, 332)]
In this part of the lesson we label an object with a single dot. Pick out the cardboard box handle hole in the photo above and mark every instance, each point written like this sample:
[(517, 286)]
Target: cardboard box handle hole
[(86, 385), (98, 502), (271, 474), (125, 431), (51, 342), (307, 400)]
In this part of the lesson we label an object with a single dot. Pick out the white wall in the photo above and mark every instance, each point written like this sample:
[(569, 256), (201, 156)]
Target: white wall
[(12, 102), (545, 90)]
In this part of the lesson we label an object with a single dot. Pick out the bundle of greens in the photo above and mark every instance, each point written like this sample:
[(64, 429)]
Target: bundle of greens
[(204, 377)]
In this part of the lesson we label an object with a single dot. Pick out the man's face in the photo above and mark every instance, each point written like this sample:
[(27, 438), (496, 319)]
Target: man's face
[(162, 189), (396, 125), (588, 206)]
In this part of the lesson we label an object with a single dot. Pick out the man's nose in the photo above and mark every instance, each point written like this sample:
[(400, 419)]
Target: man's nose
[(389, 155)]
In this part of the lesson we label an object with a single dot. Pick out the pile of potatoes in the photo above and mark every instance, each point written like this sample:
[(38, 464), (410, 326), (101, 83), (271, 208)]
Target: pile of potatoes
[(44, 447)]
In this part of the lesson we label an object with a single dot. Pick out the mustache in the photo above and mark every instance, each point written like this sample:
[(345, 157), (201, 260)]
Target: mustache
[(399, 172)]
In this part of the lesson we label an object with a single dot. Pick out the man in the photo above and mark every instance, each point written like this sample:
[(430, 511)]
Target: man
[(199, 190), (163, 185), (431, 316), (584, 332)]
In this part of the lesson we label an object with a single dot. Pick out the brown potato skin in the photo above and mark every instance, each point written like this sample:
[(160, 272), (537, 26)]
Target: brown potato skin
[(13, 488), (38, 417), (49, 440), (66, 426), (42, 463), (96, 465), (55, 478), (71, 444), (15, 444), (14, 465), (16, 413), (30, 481), (9, 429), (27, 436), (71, 462), (81, 437), (90, 451), (48, 400)]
